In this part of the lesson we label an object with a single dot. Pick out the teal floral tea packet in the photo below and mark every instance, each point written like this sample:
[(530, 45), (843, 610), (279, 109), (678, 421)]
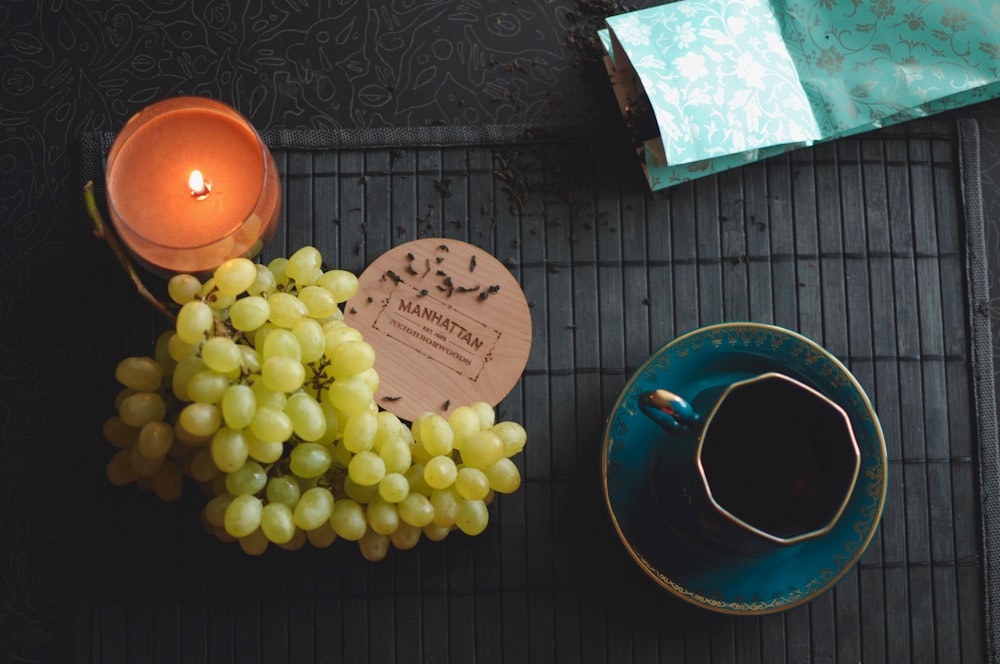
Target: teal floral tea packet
[(728, 82)]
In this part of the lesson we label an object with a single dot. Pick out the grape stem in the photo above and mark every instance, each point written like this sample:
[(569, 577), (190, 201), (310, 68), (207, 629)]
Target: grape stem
[(103, 232)]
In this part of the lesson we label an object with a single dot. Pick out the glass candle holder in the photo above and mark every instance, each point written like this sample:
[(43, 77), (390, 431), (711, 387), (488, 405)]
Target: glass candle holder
[(190, 184)]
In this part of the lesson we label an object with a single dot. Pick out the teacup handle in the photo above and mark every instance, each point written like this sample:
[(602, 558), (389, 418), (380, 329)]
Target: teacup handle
[(671, 411)]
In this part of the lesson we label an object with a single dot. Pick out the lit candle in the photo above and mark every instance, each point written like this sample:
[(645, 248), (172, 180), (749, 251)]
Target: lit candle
[(190, 184)]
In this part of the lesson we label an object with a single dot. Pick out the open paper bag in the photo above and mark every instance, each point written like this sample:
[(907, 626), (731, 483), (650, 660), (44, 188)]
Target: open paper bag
[(708, 85)]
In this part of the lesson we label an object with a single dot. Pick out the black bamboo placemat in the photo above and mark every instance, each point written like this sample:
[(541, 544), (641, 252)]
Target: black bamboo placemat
[(873, 246)]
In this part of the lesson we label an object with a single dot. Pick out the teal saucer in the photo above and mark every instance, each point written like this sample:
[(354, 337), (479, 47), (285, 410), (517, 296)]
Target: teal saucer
[(700, 362)]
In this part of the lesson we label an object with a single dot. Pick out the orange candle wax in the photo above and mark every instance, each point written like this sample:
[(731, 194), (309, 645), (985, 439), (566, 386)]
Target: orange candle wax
[(190, 184)]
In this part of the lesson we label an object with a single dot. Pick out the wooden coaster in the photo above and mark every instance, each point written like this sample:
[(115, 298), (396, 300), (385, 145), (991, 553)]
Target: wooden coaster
[(449, 323)]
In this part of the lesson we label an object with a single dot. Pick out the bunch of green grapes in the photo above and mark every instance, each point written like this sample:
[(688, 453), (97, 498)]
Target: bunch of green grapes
[(264, 397)]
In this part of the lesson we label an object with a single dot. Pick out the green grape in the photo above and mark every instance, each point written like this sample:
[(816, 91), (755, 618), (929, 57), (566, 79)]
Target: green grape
[(436, 533), (373, 546), (216, 300), (123, 394), (343, 284), (251, 360), (359, 493), (195, 322), (201, 467), (513, 436), (182, 288), (142, 374), (312, 340), (406, 536), (337, 332), (348, 520), (472, 516), (389, 427), (393, 487), (319, 301), (277, 267), (264, 283), (314, 508), (416, 509), (331, 432), (464, 422), (420, 453), (168, 482), (282, 374), (215, 509), (304, 266), (396, 455), (366, 468), (118, 433), (483, 449), (297, 542), (185, 437), (472, 483), (264, 451), (322, 536), (504, 477), (243, 515), (235, 276), (180, 349), (249, 479), (415, 425), (161, 351), (436, 435), (360, 431), (185, 369), (382, 516), (350, 396), (369, 377), (350, 358), (268, 398), (221, 354), (486, 415), (229, 449), (207, 386), (141, 408), (306, 414), (119, 469), (144, 467), (440, 472), (309, 460), (154, 439), (239, 403), (270, 424), (283, 489), (200, 419), (445, 502), (249, 313), (286, 309), (415, 476), (280, 342), (254, 544), (277, 522), (341, 455)]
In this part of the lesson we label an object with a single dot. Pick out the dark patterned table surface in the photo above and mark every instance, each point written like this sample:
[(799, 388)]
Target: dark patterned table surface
[(72, 67)]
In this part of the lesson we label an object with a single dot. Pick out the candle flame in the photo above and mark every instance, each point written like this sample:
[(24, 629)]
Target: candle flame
[(198, 186)]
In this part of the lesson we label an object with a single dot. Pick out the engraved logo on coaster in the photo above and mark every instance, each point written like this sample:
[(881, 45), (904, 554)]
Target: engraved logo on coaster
[(437, 330)]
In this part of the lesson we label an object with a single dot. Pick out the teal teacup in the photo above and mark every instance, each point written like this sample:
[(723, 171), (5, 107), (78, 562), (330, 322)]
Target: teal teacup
[(756, 465)]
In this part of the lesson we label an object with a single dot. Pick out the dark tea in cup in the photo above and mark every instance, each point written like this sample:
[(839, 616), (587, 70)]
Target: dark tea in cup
[(773, 463)]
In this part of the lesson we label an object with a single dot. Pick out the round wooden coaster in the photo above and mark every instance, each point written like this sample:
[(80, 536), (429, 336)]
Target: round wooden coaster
[(449, 323)]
